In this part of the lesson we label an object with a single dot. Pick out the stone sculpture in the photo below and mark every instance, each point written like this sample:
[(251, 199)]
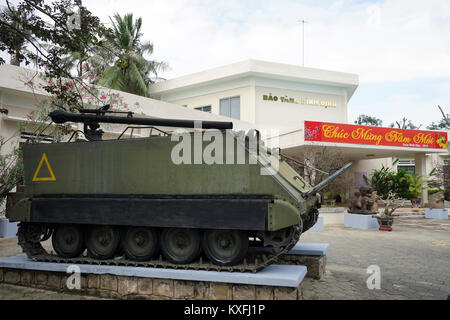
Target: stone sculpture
[(436, 200), (362, 202)]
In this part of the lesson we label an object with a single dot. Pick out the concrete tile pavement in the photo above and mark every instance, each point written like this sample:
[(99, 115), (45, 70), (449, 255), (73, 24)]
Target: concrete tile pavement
[(414, 261)]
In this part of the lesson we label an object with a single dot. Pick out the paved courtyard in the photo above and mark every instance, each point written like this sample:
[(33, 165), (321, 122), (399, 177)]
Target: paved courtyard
[(414, 261)]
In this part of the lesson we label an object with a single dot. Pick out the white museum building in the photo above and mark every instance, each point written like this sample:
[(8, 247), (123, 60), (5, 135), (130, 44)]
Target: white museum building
[(285, 102)]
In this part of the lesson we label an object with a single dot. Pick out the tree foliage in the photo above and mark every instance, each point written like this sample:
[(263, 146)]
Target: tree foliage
[(39, 33), (365, 120), (441, 125), (131, 71), (403, 184), (326, 160), (51, 34)]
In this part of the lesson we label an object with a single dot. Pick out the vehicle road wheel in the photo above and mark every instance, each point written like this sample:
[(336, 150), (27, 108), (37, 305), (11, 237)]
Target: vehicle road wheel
[(180, 246), (68, 241), (140, 244), (102, 242), (225, 247)]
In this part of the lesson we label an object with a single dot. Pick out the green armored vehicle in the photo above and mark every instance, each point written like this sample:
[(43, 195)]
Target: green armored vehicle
[(154, 202)]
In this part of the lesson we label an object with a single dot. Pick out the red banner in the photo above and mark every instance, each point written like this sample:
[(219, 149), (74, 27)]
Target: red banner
[(345, 133)]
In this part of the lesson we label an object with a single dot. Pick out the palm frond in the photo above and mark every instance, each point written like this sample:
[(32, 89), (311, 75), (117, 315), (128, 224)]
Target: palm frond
[(136, 80)]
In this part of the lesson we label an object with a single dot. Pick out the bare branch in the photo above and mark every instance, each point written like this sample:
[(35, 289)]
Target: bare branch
[(446, 118)]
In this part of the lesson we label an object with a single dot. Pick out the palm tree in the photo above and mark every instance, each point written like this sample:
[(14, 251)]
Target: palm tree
[(131, 71), (96, 57)]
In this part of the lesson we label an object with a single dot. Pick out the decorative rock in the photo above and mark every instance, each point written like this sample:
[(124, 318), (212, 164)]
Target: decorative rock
[(241, 292), (163, 288), (437, 200), (360, 221), (127, 286), (108, 282), (145, 286), (184, 290)]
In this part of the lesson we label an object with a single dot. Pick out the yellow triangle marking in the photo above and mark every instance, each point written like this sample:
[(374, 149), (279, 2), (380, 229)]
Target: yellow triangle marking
[(52, 178)]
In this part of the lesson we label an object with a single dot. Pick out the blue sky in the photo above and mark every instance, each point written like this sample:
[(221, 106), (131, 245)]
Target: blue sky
[(399, 48)]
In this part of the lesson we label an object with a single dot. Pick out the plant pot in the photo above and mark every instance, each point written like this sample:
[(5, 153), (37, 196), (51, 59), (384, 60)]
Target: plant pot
[(385, 223)]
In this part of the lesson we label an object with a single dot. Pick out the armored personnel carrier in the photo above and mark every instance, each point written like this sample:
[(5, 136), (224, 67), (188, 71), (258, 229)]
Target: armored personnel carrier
[(128, 202)]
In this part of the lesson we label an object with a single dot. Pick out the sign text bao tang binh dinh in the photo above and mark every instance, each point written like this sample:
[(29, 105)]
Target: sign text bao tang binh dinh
[(344, 133)]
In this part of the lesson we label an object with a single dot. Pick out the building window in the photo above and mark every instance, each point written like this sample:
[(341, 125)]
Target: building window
[(204, 109), (231, 107), (407, 165), (407, 169), (32, 136)]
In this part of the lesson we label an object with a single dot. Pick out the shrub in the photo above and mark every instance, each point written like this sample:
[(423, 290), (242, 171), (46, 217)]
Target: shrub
[(402, 184)]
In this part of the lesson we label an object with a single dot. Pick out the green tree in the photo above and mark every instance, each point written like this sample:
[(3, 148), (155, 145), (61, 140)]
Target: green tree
[(131, 71), (14, 43), (365, 120), (441, 125), (48, 33)]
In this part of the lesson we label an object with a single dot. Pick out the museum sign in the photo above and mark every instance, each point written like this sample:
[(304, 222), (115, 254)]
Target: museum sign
[(344, 133), (305, 101)]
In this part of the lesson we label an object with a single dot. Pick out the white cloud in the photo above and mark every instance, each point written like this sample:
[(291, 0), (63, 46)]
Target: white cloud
[(381, 41)]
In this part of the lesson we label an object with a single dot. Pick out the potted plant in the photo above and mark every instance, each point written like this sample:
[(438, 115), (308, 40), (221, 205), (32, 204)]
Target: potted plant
[(386, 219), (416, 186)]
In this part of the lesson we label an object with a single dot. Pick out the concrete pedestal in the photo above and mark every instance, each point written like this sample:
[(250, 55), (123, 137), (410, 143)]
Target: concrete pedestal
[(276, 282), (438, 214), (318, 227), (360, 221), (311, 255), (8, 229)]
